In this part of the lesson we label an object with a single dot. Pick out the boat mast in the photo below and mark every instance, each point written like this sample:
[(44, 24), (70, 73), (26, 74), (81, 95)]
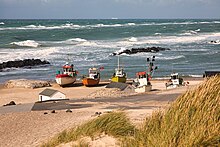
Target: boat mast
[(118, 63)]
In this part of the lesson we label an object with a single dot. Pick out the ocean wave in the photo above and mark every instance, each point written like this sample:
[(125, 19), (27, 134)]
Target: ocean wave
[(41, 27), (169, 57), (2, 23), (75, 40), (183, 39), (133, 39), (88, 43), (65, 26), (75, 26), (214, 42), (41, 53), (26, 43), (196, 76), (181, 23), (157, 33)]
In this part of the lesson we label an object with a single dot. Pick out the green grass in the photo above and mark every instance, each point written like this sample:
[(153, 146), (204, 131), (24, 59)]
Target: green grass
[(114, 124), (192, 120)]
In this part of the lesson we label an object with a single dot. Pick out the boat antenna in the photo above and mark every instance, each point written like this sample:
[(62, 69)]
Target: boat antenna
[(151, 65)]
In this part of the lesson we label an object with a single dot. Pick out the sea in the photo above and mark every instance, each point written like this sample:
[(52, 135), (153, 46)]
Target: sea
[(194, 46)]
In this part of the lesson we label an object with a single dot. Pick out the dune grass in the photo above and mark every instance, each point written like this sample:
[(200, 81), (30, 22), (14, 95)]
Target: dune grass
[(192, 120), (114, 124)]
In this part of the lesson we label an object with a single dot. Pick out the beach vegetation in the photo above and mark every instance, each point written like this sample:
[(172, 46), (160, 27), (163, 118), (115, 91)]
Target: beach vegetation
[(193, 119)]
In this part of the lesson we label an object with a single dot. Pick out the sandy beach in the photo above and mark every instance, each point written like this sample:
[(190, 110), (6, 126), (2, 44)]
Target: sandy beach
[(31, 128)]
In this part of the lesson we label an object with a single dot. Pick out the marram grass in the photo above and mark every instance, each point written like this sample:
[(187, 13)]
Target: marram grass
[(114, 124), (192, 120)]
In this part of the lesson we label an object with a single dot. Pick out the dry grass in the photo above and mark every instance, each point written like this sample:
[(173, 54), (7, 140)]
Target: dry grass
[(114, 124), (192, 120)]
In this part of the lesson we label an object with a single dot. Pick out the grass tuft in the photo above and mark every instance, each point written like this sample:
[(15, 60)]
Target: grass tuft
[(115, 124)]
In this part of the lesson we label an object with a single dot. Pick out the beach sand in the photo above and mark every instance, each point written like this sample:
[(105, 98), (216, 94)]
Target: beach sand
[(31, 128)]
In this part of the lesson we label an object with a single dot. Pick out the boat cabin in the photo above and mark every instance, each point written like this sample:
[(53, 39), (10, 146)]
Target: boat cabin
[(142, 78), (93, 73), (175, 78), (69, 70), (119, 72)]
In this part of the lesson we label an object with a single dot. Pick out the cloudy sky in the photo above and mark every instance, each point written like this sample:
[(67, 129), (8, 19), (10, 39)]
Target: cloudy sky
[(100, 9)]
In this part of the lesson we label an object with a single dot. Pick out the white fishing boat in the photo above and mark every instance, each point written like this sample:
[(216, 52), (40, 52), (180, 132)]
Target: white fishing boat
[(174, 81), (142, 81), (67, 76)]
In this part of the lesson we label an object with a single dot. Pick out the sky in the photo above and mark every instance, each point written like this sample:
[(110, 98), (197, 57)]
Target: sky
[(107, 9)]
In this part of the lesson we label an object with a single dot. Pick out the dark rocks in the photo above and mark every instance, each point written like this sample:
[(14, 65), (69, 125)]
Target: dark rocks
[(140, 50), (53, 111), (9, 104), (23, 63)]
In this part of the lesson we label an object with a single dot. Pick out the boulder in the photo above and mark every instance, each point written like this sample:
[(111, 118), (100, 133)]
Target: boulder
[(22, 63), (24, 83), (140, 50)]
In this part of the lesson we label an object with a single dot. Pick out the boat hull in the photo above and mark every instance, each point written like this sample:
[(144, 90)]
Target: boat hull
[(63, 80), (144, 88), (90, 82), (119, 79)]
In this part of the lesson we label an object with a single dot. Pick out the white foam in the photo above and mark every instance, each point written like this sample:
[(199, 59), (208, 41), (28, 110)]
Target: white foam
[(88, 43), (40, 27), (121, 50), (196, 76), (103, 25), (77, 39), (27, 43), (214, 42), (170, 57), (133, 39), (41, 53), (178, 39), (2, 23), (74, 26), (190, 32), (131, 24), (157, 33)]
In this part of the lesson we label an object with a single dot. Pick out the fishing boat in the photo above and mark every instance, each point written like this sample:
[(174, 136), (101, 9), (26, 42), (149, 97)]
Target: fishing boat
[(119, 74), (175, 81), (67, 76), (142, 81), (93, 77)]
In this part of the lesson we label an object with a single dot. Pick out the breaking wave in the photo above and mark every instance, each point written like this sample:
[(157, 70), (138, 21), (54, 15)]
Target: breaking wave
[(75, 26), (133, 39), (170, 57), (42, 53), (27, 43), (2, 23)]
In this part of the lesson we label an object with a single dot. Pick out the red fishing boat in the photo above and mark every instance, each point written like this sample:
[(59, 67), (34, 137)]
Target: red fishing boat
[(67, 76)]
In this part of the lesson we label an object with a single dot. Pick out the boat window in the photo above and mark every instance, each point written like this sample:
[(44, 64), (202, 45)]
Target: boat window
[(174, 77)]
